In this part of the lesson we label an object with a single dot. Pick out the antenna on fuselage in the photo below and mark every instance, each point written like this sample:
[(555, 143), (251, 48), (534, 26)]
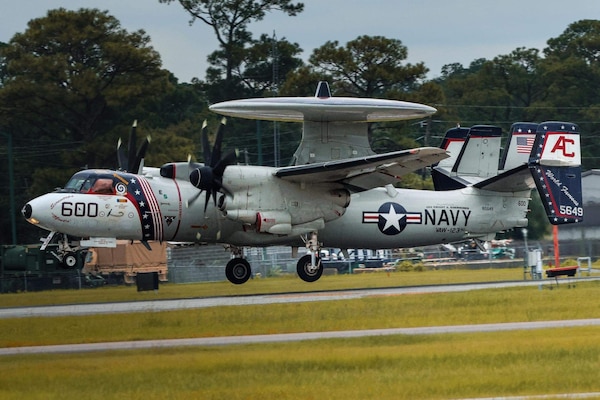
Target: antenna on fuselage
[(323, 90)]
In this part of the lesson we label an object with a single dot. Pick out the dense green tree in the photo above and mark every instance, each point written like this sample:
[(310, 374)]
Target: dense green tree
[(68, 83), (499, 91), (69, 74), (572, 77), (368, 66), (229, 21), (265, 64)]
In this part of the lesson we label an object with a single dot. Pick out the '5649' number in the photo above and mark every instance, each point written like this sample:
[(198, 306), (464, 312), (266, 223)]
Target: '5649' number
[(572, 211)]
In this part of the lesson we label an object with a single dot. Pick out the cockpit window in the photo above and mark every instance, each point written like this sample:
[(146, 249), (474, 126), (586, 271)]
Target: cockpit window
[(90, 183), (102, 186), (76, 183)]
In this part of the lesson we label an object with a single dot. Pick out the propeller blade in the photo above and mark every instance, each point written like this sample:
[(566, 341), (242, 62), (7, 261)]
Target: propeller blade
[(139, 156), (229, 159), (216, 151), (208, 177), (131, 148), (206, 200), (223, 188), (205, 144), (193, 199), (121, 156)]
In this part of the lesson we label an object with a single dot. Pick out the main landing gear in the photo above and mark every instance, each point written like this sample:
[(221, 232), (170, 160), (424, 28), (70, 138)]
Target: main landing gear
[(238, 270), (309, 270), (309, 267)]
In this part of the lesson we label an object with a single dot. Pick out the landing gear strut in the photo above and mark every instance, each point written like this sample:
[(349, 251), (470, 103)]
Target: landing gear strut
[(309, 267)]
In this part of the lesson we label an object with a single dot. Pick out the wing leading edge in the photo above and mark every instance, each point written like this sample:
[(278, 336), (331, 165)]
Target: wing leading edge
[(365, 173)]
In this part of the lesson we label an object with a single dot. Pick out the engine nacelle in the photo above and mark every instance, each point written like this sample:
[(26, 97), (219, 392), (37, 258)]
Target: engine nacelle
[(340, 197), (275, 222), (277, 206), (243, 216)]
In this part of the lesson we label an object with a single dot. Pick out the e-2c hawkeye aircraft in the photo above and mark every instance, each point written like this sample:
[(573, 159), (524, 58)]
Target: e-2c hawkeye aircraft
[(338, 193)]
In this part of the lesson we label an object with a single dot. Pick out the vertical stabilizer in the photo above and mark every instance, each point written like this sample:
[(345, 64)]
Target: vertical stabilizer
[(481, 152), (518, 145), (555, 163), (452, 143), (474, 155)]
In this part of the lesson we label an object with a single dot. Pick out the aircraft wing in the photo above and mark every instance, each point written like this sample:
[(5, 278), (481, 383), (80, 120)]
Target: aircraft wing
[(363, 173)]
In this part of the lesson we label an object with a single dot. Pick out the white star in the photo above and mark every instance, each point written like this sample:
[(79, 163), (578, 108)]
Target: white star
[(132, 180), (392, 219), (142, 204), (137, 192)]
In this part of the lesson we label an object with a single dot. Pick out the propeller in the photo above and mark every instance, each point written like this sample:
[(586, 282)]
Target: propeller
[(131, 160), (209, 177)]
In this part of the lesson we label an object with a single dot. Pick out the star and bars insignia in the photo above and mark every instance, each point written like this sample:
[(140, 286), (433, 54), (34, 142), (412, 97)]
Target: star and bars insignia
[(391, 218)]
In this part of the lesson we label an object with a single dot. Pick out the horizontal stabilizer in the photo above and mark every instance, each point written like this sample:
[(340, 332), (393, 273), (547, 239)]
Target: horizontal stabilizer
[(515, 180)]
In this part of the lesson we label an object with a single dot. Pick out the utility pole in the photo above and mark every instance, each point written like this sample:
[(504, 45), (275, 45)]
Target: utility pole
[(275, 88), (11, 187)]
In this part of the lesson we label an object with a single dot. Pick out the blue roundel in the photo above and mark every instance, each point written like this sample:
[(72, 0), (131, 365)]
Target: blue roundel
[(392, 218)]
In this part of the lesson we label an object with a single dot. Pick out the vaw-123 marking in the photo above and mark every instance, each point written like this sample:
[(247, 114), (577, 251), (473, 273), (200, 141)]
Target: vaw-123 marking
[(339, 193)]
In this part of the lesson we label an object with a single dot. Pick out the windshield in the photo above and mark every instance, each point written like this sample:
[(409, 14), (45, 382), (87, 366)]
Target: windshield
[(90, 182)]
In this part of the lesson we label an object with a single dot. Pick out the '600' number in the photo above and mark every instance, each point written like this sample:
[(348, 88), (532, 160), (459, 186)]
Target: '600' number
[(79, 209)]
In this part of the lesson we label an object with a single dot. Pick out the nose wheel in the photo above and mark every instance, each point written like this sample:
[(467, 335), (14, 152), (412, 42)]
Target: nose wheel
[(307, 271), (238, 270)]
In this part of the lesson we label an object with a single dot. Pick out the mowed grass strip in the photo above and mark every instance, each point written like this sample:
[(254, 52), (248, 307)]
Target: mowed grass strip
[(286, 283), (552, 361), (518, 304)]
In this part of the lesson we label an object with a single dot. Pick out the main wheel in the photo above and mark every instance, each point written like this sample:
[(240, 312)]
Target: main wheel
[(308, 272), (70, 260), (238, 271)]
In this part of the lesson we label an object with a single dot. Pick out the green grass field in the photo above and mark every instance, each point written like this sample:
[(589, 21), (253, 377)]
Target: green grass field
[(551, 361), (287, 283)]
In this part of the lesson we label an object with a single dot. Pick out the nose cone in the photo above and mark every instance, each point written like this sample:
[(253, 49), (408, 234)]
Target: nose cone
[(27, 211), (37, 212)]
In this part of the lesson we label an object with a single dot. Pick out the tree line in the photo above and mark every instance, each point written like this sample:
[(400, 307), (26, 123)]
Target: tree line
[(73, 82)]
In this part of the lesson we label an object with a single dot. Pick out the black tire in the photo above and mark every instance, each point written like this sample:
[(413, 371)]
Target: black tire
[(70, 260), (238, 271), (306, 272)]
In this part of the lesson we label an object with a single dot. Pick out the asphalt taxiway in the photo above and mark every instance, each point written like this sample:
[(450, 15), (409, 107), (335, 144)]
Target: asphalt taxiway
[(298, 297), (166, 305)]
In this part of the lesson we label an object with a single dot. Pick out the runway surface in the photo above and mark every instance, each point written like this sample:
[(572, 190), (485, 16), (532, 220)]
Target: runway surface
[(180, 304), (166, 305)]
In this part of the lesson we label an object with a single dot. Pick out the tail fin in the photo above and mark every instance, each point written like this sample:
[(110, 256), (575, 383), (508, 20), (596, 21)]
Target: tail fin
[(518, 145), (474, 155), (453, 142), (480, 154), (555, 163)]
